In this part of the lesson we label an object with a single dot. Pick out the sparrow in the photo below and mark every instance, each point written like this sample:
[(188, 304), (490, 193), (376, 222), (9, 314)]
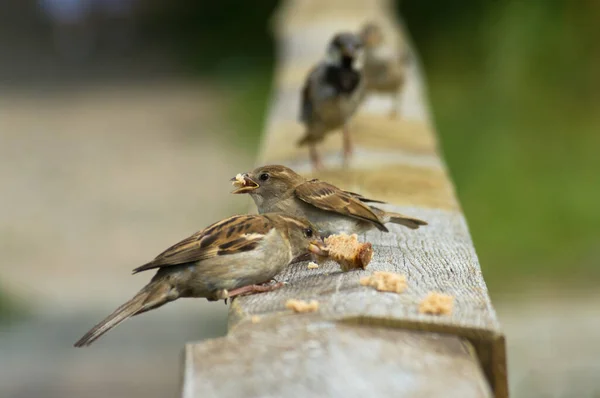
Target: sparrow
[(331, 210), (227, 259), (332, 92), (383, 73)]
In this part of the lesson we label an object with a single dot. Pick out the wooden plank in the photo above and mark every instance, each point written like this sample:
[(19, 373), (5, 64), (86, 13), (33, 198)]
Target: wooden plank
[(282, 357), (362, 342)]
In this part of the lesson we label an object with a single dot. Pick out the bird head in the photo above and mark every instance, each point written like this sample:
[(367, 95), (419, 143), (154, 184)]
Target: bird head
[(266, 182), (344, 49), (302, 235), (371, 35)]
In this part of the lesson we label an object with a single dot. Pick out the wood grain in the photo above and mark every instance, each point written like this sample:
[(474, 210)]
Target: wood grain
[(329, 359), (361, 342)]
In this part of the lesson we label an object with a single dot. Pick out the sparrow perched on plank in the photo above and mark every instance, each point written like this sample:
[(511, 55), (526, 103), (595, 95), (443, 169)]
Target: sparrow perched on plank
[(330, 209), (227, 259), (331, 94), (383, 72)]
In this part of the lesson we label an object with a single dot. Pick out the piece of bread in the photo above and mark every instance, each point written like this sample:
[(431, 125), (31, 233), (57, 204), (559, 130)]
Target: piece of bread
[(302, 306), (348, 252), (312, 265), (437, 304), (239, 181), (385, 281)]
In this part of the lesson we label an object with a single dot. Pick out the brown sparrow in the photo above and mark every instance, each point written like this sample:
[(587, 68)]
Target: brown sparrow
[(330, 209), (332, 92), (383, 73), (227, 259)]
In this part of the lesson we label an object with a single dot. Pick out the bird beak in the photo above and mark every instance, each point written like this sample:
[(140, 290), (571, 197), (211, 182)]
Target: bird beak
[(318, 247), (244, 185)]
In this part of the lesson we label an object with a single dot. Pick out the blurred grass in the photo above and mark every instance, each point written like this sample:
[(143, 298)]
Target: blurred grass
[(11, 308), (514, 89)]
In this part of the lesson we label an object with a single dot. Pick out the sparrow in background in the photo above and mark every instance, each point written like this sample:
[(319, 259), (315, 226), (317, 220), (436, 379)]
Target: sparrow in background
[(383, 72), (331, 94), (330, 209), (227, 259)]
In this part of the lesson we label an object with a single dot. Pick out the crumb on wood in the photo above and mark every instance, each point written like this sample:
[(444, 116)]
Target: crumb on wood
[(239, 181), (302, 306), (437, 304), (385, 281), (255, 319), (348, 252), (312, 265)]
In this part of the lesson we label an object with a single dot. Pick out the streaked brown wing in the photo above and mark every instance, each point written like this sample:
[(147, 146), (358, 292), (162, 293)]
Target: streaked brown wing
[(328, 197), (363, 199), (232, 235)]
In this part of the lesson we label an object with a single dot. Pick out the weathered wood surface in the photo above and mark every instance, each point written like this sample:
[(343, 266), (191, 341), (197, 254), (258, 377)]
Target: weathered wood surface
[(361, 342), (292, 356)]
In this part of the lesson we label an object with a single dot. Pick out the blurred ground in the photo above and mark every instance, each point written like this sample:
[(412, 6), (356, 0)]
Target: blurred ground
[(97, 180), (552, 342)]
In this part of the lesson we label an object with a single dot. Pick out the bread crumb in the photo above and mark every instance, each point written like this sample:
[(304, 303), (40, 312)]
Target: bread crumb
[(385, 281), (255, 319), (312, 265), (437, 304), (239, 181), (348, 252), (302, 306)]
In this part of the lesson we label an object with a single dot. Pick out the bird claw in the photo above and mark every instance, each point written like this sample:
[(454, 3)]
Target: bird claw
[(315, 159), (348, 147), (250, 289)]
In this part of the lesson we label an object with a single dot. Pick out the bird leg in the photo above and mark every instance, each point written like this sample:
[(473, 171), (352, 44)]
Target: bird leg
[(250, 289), (395, 105), (315, 159), (347, 144)]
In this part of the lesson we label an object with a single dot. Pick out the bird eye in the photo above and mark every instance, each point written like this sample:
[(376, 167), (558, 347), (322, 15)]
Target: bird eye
[(263, 177), (308, 232)]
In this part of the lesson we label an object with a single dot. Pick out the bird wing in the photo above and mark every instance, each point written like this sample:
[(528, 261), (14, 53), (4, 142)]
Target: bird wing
[(230, 236), (363, 199), (329, 197), (306, 105)]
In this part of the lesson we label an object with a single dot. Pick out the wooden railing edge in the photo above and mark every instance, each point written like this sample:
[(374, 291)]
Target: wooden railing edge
[(426, 191)]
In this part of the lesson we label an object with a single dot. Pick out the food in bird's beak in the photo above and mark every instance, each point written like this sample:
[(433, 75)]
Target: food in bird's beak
[(385, 281), (238, 181), (437, 304), (348, 252), (302, 306), (243, 183)]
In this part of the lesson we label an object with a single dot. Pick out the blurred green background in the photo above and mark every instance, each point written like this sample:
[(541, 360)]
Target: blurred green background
[(514, 87)]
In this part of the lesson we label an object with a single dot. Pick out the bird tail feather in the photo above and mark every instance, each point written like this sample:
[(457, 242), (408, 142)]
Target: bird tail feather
[(153, 295), (410, 222)]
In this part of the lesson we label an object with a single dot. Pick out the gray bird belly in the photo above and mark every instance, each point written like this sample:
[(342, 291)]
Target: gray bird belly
[(246, 268), (333, 112), (330, 113), (330, 223)]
